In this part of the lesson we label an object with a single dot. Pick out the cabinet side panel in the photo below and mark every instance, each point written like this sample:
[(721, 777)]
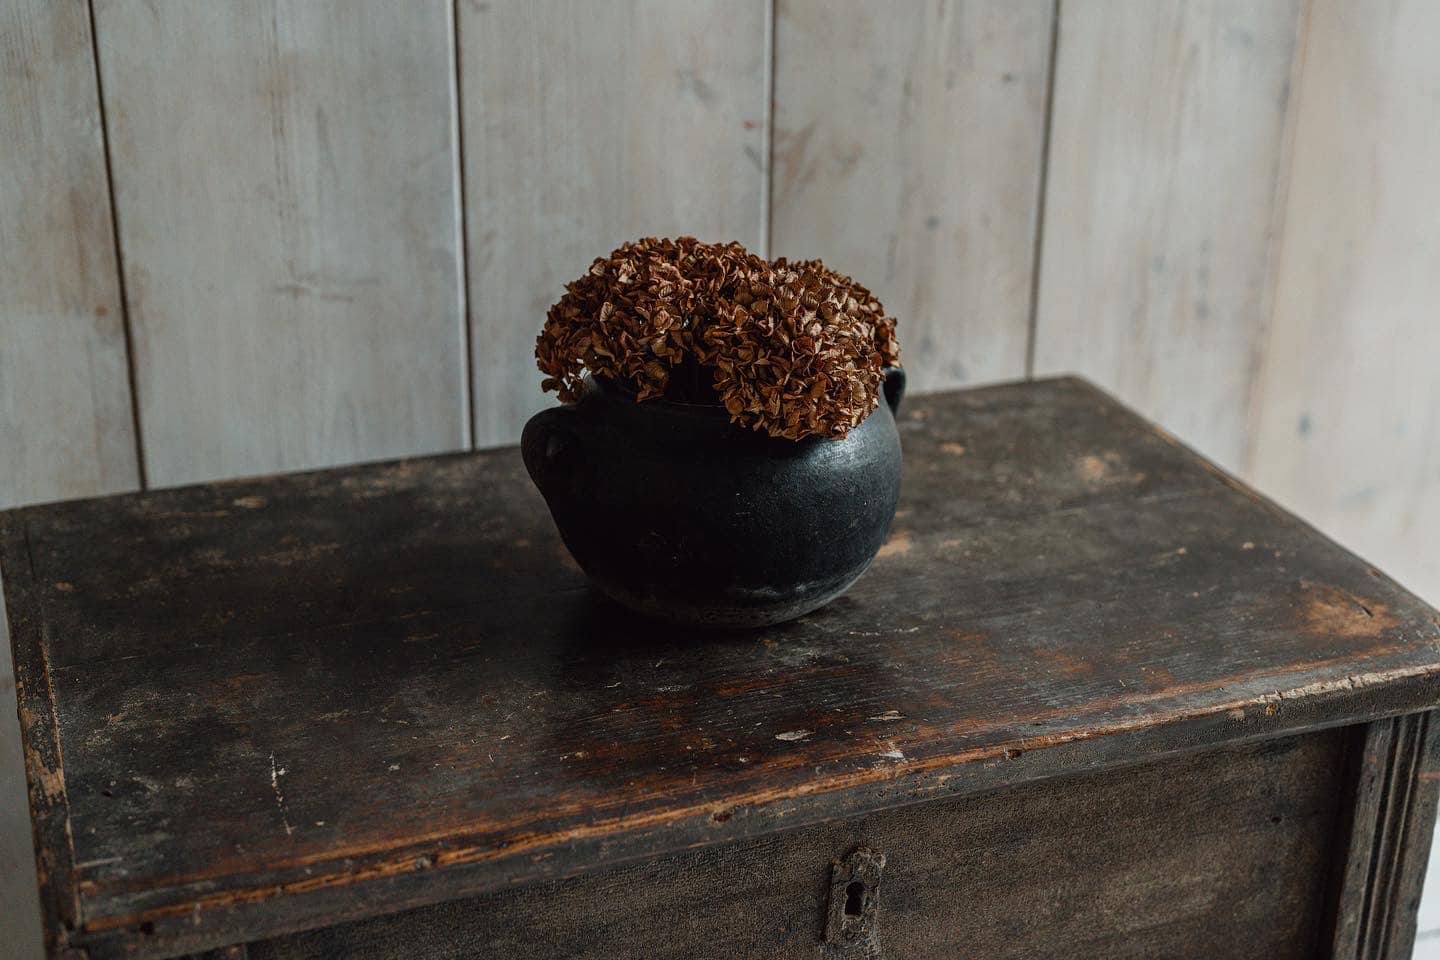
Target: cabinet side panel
[(1391, 820)]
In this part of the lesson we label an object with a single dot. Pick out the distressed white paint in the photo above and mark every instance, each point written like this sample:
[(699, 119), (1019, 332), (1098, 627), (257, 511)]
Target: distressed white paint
[(285, 181), (586, 125), (908, 146), (1349, 431), (1165, 160), (65, 416)]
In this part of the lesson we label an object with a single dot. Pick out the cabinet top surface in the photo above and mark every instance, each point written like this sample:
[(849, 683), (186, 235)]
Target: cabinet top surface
[(252, 705)]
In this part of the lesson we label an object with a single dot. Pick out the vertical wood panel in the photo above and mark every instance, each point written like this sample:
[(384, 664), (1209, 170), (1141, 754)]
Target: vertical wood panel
[(1349, 425), (586, 125), (285, 183), (1165, 162), (65, 417), (21, 936), (908, 144)]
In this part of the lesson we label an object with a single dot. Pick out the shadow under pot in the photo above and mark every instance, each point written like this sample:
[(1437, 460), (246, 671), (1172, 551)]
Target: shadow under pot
[(676, 512)]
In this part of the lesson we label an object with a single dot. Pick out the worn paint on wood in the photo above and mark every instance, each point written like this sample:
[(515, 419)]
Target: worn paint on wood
[(1396, 782), (289, 701), (586, 125), (1223, 854), (287, 200), (1165, 165), (907, 154), (18, 888), (66, 428), (1348, 429)]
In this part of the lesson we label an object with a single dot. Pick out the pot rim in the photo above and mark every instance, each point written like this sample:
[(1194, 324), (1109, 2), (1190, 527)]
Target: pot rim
[(618, 389)]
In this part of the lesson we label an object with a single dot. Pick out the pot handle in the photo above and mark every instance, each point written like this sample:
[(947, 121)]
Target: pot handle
[(550, 447), (894, 387)]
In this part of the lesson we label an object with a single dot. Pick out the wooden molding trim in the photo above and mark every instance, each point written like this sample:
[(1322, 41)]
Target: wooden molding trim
[(1396, 787)]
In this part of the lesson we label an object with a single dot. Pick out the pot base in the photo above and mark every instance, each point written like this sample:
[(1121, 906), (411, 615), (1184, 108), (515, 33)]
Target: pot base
[(757, 610)]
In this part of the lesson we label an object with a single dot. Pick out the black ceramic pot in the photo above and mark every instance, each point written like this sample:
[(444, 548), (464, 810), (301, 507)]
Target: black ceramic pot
[(674, 511)]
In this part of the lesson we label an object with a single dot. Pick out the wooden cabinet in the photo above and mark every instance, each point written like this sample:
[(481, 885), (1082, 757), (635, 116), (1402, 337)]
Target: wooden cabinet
[(1094, 698)]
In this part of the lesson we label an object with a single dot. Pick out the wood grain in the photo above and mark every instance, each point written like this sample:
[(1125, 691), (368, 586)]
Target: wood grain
[(586, 125), (311, 698), (66, 428), (907, 154), (1219, 855), (1165, 160), (1348, 430), (286, 189), (19, 891), (1396, 782)]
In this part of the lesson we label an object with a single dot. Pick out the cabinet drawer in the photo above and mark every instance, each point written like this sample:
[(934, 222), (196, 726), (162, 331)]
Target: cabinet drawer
[(1220, 854)]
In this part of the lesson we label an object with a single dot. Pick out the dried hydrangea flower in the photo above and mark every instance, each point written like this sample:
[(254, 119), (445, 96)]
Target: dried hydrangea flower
[(793, 349)]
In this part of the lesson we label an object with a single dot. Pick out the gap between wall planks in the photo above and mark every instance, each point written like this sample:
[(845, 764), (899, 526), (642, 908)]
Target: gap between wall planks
[(65, 413), (908, 154), (1165, 166), (586, 125), (1356, 311), (457, 126), (284, 178)]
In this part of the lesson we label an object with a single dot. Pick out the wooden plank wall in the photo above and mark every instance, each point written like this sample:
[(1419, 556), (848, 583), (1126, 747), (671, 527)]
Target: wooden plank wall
[(65, 420), (288, 204), (339, 226), (276, 234), (585, 125), (1347, 421), (907, 154), (1164, 173)]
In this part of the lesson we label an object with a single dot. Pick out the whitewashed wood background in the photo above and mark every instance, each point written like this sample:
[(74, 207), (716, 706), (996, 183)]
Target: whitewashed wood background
[(267, 235)]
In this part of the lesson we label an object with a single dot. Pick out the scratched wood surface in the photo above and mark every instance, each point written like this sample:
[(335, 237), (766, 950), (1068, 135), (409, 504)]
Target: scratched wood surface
[(1165, 165), (915, 167), (1357, 311), (18, 891), (323, 696), (586, 125), (1213, 856), (1391, 829), (65, 420), (288, 209)]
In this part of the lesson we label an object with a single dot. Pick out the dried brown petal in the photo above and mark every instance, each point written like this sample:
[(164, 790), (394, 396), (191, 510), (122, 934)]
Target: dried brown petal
[(791, 348)]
